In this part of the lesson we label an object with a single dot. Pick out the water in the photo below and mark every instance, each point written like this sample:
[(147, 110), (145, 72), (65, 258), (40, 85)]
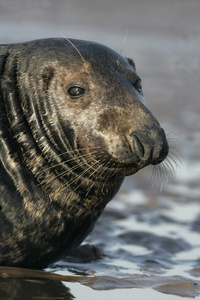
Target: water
[(147, 242)]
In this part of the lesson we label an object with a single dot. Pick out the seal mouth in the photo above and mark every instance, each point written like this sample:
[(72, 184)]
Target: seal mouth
[(125, 158), (104, 165)]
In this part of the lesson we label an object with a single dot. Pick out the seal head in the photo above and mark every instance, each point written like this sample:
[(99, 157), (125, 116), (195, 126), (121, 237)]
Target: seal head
[(71, 129)]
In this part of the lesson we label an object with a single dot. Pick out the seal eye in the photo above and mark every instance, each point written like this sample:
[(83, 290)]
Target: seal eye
[(138, 86), (76, 91)]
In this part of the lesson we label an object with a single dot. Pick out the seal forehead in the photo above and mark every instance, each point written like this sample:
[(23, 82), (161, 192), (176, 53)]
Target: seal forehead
[(98, 55), (83, 56)]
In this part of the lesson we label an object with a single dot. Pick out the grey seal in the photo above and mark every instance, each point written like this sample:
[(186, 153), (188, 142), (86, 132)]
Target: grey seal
[(71, 127)]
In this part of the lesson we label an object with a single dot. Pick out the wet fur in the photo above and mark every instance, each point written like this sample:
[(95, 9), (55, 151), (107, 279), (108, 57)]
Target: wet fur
[(63, 160)]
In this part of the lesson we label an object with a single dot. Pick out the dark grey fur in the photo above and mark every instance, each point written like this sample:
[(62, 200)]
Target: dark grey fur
[(71, 128)]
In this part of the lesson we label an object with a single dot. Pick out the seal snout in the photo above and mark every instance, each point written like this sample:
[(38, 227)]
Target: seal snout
[(150, 145)]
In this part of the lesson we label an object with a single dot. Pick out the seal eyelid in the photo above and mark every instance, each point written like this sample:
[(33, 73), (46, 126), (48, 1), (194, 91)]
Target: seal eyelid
[(76, 90), (138, 86)]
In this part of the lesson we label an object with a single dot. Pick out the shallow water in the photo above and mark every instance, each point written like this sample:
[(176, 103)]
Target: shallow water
[(148, 242)]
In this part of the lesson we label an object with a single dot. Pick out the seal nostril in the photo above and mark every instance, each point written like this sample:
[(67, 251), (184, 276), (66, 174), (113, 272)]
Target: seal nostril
[(137, 146), (161, 152)]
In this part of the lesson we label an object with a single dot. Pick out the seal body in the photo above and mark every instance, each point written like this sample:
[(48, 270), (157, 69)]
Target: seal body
[(73, 124)]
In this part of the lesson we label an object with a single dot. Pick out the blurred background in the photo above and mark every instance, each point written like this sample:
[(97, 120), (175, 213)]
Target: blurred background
[(163, 37)]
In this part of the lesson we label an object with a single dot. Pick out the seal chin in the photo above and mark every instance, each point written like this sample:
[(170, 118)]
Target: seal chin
[(128, 171)]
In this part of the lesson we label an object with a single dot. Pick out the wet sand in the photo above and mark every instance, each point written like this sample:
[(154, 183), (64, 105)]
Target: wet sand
[(149, 241)]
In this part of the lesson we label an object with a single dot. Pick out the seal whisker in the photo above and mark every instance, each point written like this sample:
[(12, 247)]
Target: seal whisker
[(65, 172), (69, 170), (173, 145), (156, 172), (93, 181), (91, 176), (169, 168), (168, 171), (171, 156), (162, 175), (77, 150), (172, 140), (167, 134), (85, 172), (169, 163), (77, 177), (157, 176), (176, 156), (164, 170), (67, 161), (90, 159), (153, 176), (74, 48), (173, 148), (124, 41), (174, 151), (106, 176), (99, 176)]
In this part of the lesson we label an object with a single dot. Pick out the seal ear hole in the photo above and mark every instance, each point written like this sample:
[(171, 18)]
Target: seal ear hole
[(47, 76), (131, 62)]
